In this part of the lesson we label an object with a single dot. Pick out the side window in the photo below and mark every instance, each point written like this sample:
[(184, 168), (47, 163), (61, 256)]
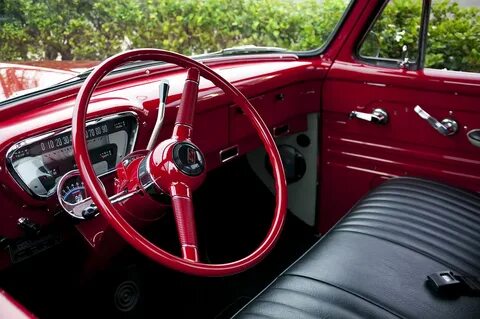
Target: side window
[(453, 41), (394, 37)]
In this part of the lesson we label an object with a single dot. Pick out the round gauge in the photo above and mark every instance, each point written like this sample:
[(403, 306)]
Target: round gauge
[(73, 191), (72, 195)]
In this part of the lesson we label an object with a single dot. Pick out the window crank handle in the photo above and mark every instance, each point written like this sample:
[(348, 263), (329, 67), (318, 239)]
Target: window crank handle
[(378, 116), (446, 127)]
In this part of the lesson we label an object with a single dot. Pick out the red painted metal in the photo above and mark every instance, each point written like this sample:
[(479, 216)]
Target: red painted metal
[(186, 110), (165, 172), (170, 179), (355, 156), (253, 74), (362, 155), (12, 309), (141, 209), (302, 98), (185, 220), (217, 126), (120, 224)]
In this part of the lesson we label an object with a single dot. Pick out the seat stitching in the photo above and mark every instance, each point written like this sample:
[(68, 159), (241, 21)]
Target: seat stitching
[(461, 258), (399, 225), (432, 200), (312, 315), (332, 303), (416, 237), (435, 186), (424, 190), (430, 183), (427, 207), (255, 314), (421, 252), (391, 311), (456, 222)]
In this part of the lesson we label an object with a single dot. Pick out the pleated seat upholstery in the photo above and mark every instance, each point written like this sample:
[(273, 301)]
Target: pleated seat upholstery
[(374, 263)]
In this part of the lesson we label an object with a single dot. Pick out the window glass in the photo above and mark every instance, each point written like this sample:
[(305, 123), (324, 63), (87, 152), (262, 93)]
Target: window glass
[(395, 34), (72, 36), (96, 29), (454, 35)]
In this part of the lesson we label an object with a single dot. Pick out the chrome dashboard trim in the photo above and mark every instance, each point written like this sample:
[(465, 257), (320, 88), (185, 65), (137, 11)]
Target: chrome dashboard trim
[(65, 129), (224, 159)]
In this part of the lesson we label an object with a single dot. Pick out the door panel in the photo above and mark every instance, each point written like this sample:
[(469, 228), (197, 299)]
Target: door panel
[(362, 154)]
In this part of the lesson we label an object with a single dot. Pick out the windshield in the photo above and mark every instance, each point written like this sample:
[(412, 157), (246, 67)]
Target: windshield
[(88, 31)]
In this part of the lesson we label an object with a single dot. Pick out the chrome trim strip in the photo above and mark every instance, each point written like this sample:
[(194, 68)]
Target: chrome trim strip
[(149, 185), (226, 159), (64, 129)]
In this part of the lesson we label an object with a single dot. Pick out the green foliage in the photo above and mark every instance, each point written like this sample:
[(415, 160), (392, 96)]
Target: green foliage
[(96, 29), (398, 25), (454, 37)]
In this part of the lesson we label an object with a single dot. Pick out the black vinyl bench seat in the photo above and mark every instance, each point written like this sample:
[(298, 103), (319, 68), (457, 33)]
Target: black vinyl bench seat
[(374, 263)]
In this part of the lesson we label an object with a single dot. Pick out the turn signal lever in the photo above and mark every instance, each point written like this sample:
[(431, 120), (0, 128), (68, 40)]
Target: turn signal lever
[(378, 116), (89, 210), (163, 94), (446, 127)]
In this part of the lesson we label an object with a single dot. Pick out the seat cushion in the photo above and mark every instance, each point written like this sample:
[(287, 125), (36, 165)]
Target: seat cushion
[(374, 263)]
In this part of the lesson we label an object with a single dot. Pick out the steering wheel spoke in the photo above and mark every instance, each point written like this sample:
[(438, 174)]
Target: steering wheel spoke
[(186, 110), (183, 210), (185, 220)]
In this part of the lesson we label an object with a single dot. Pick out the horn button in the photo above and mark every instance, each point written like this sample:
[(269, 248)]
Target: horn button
[(188, 159), (173, 162)]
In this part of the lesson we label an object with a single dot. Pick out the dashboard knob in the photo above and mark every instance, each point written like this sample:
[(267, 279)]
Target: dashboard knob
[(29, 227), (89, 212)]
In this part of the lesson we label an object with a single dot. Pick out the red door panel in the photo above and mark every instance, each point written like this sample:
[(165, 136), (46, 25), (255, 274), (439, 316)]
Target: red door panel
[(361, 154)]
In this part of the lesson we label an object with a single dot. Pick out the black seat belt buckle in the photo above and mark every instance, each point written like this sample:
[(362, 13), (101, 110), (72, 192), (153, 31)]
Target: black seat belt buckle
[(445, 283)]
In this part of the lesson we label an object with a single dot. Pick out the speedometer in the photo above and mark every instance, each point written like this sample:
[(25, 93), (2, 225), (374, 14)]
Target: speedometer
[(38, 163)]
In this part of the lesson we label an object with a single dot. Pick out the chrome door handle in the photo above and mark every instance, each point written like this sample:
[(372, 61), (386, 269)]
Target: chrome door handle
[(378, 116), (446, 127)]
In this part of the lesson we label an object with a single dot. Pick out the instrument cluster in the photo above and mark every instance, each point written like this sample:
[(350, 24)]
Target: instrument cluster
[(39, 163)]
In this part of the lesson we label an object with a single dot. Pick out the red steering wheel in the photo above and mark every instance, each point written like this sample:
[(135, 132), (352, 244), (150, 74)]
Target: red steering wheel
[(175, 167)]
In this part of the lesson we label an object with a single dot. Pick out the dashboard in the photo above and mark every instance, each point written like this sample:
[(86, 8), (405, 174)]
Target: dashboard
[(39, 182), (38, 163)]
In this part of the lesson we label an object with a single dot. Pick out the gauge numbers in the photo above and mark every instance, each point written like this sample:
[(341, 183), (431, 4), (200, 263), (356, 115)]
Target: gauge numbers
[(73, 191), (72, 195)]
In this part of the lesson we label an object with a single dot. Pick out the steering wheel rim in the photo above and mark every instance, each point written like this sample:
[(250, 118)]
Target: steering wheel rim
[(115, 219)]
